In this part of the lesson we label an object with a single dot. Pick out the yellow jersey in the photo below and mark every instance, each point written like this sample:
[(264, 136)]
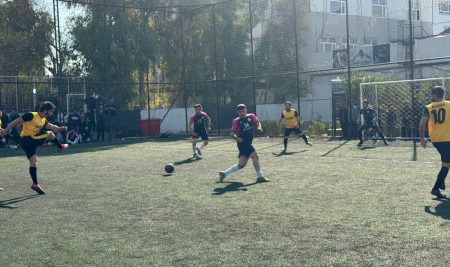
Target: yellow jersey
[(438, 124), (291, 118), (33, 125)]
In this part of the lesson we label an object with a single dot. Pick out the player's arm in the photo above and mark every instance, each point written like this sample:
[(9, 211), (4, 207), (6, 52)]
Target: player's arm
[(298, 118), (55, 128), (259, 127), (17, 122), (208, 120), (422, 127), (280, 120), (233, 132)]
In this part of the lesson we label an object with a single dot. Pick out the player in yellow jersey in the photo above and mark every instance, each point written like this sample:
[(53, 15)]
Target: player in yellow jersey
[(435, 115), (34, 134), (290, 116)]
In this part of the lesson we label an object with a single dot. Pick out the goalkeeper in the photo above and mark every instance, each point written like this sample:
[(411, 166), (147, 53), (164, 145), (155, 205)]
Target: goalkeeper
[(369, 123)]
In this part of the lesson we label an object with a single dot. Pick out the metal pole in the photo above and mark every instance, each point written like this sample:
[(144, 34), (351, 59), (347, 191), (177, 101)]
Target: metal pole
[(56, 38), (184, 74), (411, 77), (17, 95), (296, 56), (349, 74), (59, 38), (215, 67), (251, 47)]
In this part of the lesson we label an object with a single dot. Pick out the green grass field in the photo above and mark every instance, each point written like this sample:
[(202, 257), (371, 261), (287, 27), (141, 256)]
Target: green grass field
[(330, 204)]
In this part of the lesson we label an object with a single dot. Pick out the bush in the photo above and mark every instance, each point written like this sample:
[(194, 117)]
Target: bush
[(317, 128), (270, 128)]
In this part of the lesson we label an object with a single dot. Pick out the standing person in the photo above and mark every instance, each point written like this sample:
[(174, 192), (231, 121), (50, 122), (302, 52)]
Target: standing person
[(290, 116), (199, 119), (33, 135), (4, 119), (100, 125), (369, 123), (110, 111), (242, 132), (439, 129), (391, 121)]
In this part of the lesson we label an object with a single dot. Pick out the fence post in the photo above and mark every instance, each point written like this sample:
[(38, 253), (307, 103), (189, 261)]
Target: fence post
[(215, 66), (251, 47), (296, 56)]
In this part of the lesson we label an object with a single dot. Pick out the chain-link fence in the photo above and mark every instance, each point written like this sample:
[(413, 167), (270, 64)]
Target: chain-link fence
[(161, 57)]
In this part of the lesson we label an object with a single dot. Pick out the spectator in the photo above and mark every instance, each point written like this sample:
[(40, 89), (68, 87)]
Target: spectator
[(74, 122), (391, 122), (110, 113), (100, 125), (89, 121), (3, 124)]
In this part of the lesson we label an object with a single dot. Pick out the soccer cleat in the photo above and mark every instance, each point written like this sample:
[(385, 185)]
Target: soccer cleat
[(283, 150), (38, 189), (262, 179), (438, 194), (222, 176), (309, 143), (63, 147), (360, 143), (386, 143), (199, 152), (442, 186)]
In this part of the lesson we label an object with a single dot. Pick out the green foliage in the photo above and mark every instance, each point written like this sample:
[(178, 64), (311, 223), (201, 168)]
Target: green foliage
[(317, 128), (270, 128), (25, 38), (356, 79)]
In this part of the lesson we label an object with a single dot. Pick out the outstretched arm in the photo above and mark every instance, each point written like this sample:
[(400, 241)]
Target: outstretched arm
[(12, 125)]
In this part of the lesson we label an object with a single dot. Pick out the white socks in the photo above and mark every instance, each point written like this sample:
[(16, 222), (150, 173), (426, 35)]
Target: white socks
[(232, 169), (259, 174)]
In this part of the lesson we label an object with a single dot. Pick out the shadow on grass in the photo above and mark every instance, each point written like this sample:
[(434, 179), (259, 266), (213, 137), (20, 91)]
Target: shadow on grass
[(366, 147), (442, 209), (5, 204), (187, 161), (287, 153), (232, 187)]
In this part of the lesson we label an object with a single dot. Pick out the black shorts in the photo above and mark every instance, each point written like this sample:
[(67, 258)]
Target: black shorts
[(296, 130), (245, 149), (29, 145), (444, 149), (202, 133)]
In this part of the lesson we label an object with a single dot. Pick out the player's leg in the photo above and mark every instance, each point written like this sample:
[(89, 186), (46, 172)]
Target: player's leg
[(243, 159), (377, 128), (443, 149), (205, 138), (301, 134), (363, 127), (194, 144), (52, 138), (287, 132), (29, 145), (259, 174)]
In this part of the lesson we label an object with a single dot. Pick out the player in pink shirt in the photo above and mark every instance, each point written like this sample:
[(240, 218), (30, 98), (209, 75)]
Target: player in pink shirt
[(199, 120), (242, 132)]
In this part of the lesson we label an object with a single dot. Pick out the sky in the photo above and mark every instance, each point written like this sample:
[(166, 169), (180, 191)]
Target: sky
[(64, 12)]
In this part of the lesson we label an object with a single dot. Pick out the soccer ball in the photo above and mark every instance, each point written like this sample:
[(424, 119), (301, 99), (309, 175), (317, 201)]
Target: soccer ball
[(169, 168)]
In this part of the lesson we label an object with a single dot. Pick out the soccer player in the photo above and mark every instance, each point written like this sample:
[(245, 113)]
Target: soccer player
[(199, 120), (439, 129), (290, 116), (369, 123), (33, 135), (242, 132)]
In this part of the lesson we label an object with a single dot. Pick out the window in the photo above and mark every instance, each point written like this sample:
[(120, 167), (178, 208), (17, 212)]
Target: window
[(327, 44), (337, 7), (370, 41), (444, 7), (379, 8), (415, 10)]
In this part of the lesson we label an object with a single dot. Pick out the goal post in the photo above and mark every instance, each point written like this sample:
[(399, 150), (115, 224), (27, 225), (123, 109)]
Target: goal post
[(399, 104)]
